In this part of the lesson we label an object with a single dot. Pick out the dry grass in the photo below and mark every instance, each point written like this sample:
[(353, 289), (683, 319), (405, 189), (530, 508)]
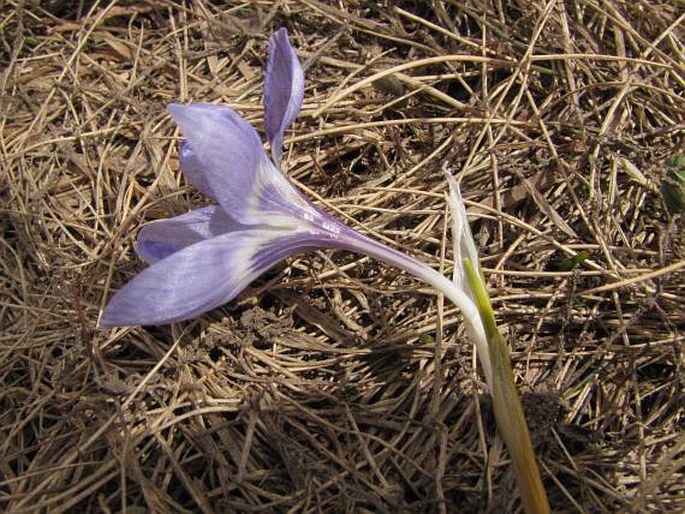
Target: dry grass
[(335, 383)]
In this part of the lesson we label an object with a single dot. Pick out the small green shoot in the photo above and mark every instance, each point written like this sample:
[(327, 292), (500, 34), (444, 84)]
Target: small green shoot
[(568, 262), (673, 185)]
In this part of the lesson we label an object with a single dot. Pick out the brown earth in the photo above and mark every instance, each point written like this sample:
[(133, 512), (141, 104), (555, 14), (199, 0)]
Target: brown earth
[(335, 383)]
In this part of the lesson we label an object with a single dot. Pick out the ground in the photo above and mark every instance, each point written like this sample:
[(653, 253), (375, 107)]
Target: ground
[(334, 382)]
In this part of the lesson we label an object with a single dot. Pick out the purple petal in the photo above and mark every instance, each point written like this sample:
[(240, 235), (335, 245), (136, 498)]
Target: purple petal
[(193, 171), (204, 275), (233, 168), (221, 157), (283, 90), (161, 238)]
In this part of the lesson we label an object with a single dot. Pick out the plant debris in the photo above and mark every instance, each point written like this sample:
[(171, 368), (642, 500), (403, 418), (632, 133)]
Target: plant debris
[(336, 383)]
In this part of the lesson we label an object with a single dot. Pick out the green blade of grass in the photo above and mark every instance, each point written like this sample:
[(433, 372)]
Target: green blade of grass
[(509, 416)]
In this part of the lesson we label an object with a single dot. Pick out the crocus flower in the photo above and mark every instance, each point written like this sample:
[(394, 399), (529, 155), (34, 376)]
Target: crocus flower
[(206, 257)]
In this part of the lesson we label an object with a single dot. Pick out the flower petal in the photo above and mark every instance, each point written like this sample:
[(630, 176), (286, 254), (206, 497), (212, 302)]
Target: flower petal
[(204, 275), (222, 159), (221, 156), (193, 171), (283, 90), (161, 238)]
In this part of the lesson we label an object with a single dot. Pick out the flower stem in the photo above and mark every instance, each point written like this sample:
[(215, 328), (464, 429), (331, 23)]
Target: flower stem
[(494, 357), (435, 279)]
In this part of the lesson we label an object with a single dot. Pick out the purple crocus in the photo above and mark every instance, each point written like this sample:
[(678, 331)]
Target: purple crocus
[(206, 257)]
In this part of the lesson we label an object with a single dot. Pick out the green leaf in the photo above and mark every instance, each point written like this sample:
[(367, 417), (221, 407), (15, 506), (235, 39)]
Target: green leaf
[(427, 339), (511, 421), (480, 295), (567, 262), (673, 185)]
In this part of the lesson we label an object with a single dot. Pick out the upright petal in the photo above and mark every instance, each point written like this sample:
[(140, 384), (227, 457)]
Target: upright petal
[(204, 275), (161, 238), (283, 90), (221, 157)]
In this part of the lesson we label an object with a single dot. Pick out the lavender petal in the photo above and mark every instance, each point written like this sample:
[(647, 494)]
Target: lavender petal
[(193, 170), (221, 156), (283, 90), (161, 238), (204, 275)]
